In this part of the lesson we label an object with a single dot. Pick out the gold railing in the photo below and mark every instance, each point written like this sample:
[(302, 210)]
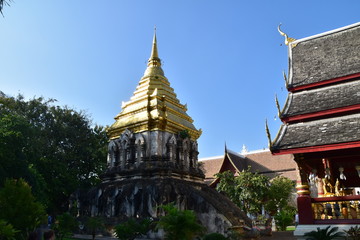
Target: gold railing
[(336, 208)]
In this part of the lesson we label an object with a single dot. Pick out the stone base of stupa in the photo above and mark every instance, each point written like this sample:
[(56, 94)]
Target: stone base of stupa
[(141, 198)]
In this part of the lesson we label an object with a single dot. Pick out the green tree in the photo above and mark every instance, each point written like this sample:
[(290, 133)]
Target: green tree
[(279, 194), (65, 225), (248, 190), (179, 225), (252, 191), (55, 149), (19, 207)]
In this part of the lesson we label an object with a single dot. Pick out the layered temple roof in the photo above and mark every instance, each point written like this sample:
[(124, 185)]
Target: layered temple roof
[(323, 104), (327, 98), (325, 56), (344, 129), (154, 105)]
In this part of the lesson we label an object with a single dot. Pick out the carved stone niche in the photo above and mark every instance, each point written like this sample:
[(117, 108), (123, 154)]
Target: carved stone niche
[(132, 154)]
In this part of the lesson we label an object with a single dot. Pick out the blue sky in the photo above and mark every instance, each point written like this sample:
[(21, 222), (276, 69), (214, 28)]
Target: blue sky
[(223, 58)]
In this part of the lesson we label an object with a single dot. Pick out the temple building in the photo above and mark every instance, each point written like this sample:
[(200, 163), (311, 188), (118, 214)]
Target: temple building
[(260, 161), (321, 127), (153, 160)]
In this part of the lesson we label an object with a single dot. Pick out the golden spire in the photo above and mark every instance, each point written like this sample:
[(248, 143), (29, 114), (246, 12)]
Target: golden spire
[(154, 60), (154, 105)]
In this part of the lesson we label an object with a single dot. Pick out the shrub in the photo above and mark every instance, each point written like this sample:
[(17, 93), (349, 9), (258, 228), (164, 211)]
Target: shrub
[(7, 231), (65, 225), (19, 207), (214, 236), (94, 224), (131, 229), (283, 219), (324, 234), (353, 233), (179, 225)]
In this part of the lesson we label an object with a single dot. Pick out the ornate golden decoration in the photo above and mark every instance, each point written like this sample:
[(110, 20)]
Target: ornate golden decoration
[(154, 105), (268, 133), (288, 40), (302, 189)]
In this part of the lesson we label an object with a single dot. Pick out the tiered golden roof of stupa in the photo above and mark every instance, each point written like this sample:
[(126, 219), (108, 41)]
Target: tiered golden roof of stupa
[(154, 105)]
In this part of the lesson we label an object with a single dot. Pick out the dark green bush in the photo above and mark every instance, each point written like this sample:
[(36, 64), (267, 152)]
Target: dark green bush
[(353, 233), (132, 228), (283, 219), (214, 236), (324, 234), (178, 224)]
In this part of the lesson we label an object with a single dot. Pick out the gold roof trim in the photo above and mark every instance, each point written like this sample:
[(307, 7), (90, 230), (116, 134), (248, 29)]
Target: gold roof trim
[(288, 40)]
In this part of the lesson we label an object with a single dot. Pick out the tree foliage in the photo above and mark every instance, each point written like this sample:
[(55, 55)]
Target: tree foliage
[(20, 208), (55, 149), (214, 236), (252, 191), (179, 225), (248, 190), (279, 193), (7, 231), (283, 219), (353, 233), (132, 228), (327, 233), (2, 4), (94, 224), (65, 225)]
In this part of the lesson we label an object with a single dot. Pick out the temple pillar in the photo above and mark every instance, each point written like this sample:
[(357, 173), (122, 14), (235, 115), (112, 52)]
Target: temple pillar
[(304, 199)]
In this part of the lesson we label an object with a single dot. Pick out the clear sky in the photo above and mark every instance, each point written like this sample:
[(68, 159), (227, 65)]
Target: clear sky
[(223, 58)]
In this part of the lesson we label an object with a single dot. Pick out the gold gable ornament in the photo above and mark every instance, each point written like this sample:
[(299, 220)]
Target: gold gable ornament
[(288, 40)]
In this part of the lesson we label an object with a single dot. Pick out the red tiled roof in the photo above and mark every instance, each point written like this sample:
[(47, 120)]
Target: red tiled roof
[(212, 166), (259, 161), (272, 165)]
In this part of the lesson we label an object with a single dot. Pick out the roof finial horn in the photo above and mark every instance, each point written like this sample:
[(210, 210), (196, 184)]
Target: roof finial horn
[(277, 105), (268, 133), (286, 79), (288, 40)]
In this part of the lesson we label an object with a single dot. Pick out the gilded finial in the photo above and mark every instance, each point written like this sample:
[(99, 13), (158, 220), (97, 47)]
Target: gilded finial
[(268, 133), (288, 40), (154, 59), (154, 62), (286, 79), (277, 105)]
